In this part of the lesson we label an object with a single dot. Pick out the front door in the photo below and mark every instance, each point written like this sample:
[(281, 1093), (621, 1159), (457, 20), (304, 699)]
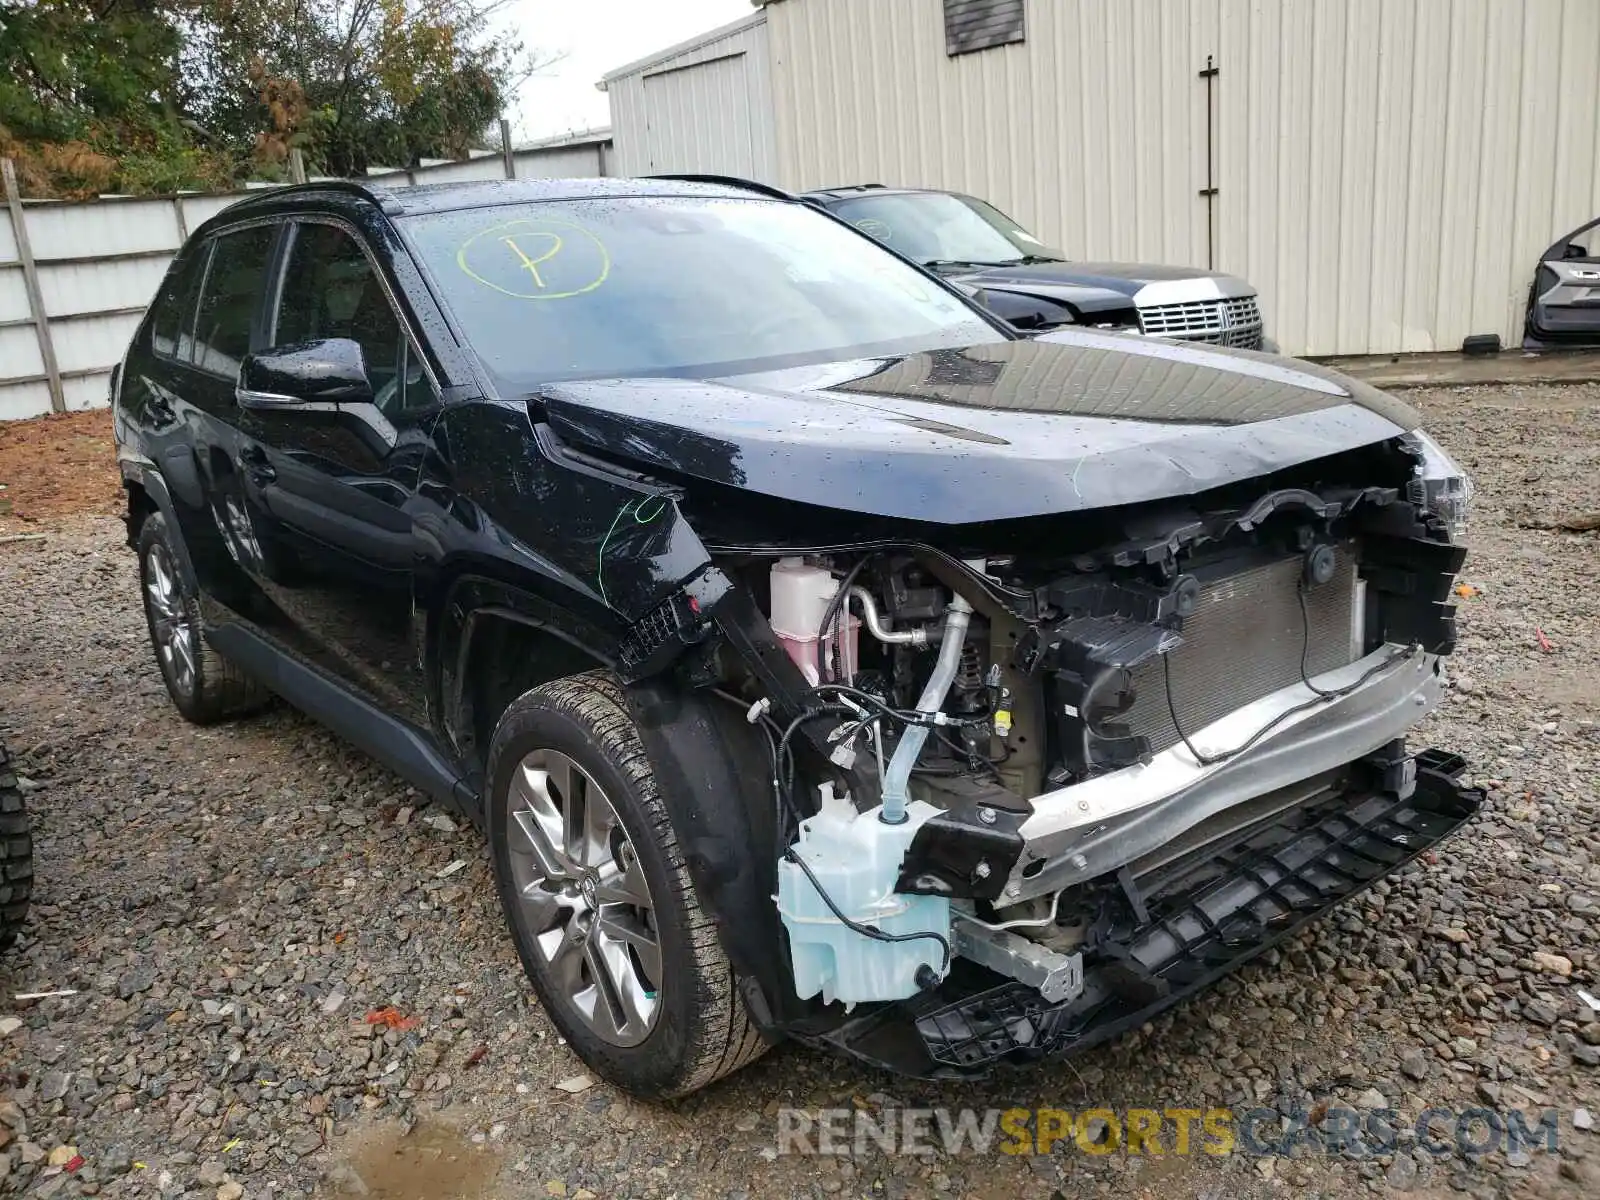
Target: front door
[(333, 490), (1564, 304)]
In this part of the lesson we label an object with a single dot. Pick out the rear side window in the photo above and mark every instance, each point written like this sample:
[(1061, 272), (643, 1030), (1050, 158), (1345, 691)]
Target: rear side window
[(174, 305), (228, 298)]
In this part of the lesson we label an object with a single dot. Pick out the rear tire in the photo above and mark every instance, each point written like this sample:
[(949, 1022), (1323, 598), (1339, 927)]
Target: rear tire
[(203, 685), (16, 855), (599, 900)]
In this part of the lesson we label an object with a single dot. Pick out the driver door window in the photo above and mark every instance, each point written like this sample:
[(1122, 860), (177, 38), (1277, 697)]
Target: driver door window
[(331, 290)]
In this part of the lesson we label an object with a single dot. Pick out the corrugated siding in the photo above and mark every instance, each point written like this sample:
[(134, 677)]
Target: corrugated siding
[(561, 162), (580, 161), (1389, 170), (488, 166), (704, 120), (101, 227), (708, 109), (13, 294), (99, 263)]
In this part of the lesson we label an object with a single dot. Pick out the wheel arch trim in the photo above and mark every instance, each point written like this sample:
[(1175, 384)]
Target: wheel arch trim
[(710, 773), (139, 472), (471, 605)]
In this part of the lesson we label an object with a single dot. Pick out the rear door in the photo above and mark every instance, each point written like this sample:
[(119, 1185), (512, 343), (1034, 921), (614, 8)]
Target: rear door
[(1564, 304), (332, 491), (153, 398), (206, 321)]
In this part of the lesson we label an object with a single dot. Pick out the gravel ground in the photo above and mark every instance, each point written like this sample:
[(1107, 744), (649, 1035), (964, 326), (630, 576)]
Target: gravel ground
[(229, 905)]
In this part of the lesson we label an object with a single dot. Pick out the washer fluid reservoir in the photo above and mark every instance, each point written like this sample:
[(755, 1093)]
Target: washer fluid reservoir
[(856, 858)]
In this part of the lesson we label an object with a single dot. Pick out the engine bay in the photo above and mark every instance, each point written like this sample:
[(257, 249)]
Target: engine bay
[(937, 712)]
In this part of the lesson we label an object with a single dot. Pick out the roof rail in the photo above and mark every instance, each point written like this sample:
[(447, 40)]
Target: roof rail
[(384, 197), (733, 181)]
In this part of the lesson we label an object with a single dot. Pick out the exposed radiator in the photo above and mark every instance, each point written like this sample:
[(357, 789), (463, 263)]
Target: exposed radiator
[(1242, 643), (1235, 322)]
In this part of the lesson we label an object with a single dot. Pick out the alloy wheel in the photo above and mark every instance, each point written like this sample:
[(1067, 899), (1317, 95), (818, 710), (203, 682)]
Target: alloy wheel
[(584, 897), (170, 626)]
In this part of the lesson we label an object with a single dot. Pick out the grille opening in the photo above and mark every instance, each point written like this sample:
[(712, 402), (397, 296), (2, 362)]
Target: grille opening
[(1234, 322)]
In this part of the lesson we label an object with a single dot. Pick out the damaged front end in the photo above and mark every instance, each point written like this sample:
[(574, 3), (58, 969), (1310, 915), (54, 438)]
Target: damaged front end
[(1016, 786), (1158, 931)]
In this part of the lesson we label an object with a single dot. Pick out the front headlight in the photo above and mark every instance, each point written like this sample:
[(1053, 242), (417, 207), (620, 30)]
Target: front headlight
[(1441, 485)]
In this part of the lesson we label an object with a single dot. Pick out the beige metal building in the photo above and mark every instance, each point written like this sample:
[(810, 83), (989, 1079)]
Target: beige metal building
[(1386, 172), (703, 105)]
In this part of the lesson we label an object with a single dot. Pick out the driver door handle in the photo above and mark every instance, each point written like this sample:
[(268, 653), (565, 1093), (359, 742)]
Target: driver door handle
[(257, 465)]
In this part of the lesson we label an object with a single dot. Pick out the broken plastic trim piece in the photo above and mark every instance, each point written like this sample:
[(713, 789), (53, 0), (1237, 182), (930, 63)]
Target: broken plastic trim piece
[(1192, 940), (672, 627)]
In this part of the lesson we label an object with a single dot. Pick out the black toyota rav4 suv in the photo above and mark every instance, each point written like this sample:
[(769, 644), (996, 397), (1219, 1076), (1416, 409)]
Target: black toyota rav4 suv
[(821, 659)]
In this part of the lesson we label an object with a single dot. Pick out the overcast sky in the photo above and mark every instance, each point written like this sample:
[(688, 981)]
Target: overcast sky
[(597, 36)]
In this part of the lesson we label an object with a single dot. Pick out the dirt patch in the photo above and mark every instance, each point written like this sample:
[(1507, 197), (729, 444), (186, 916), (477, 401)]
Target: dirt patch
[(393, 1161), (57, 466)]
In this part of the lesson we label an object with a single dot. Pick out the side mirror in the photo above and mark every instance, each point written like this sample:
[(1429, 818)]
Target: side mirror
[(308, 375)]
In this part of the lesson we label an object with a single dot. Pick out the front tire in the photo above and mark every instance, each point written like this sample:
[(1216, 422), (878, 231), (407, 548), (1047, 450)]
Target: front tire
[(203, 685), (605, 917)]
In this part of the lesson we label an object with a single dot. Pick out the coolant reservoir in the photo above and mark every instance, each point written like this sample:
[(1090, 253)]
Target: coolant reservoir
[(856, 858), (800, 597)]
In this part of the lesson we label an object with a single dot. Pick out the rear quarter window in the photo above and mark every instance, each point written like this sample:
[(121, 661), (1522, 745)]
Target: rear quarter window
[(171, 314)]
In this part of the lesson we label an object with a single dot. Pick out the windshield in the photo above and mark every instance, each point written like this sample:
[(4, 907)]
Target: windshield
[(940, 227), (677, 286)]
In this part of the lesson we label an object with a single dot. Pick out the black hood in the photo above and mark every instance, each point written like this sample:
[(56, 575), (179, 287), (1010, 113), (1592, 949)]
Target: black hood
[(1070, 421), (1035, 283)]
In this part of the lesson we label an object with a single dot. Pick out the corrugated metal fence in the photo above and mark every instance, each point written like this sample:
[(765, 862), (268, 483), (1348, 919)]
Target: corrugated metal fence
[(91, 267), (1387, 171)]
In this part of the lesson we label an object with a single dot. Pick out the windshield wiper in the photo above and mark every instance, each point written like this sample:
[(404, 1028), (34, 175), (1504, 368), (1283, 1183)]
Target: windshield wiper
[(1026, 260)]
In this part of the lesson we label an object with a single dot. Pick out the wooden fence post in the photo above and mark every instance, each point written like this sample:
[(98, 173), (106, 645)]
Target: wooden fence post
[(506, 156), (297, 165), (30, 284)]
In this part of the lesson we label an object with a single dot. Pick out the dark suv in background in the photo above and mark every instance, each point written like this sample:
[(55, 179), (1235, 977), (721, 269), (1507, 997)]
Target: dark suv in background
[(821, 658), (1034, 286)]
